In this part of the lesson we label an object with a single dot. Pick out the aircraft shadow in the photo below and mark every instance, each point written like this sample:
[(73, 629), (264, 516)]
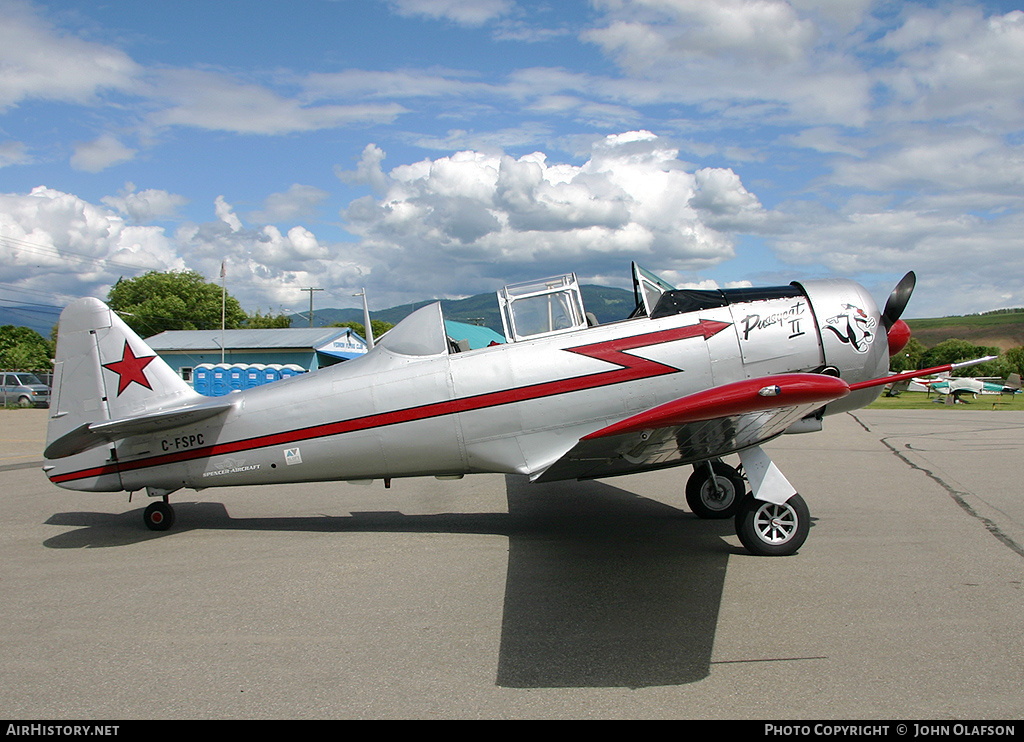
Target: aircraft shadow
[(604, 588)]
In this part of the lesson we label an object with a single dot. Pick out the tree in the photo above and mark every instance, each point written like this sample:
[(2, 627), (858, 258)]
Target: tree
[(24, 349), (954, 351), (1014, 359), (908, 359), (176, 300), (378, 326), (260, 321)]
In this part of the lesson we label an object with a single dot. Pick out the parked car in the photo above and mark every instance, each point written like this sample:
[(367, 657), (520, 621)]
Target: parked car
[(24, 389)]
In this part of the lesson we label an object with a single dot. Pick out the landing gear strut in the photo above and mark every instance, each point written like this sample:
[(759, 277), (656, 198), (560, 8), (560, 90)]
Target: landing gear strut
[(717, 490)]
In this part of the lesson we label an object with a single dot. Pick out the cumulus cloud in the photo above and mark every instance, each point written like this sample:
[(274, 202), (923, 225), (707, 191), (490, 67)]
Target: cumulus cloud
[(482, 214), (724, 203), (58, 243), (145, 206), (263, 262), (368, 171), (226, 214), (58, 246)]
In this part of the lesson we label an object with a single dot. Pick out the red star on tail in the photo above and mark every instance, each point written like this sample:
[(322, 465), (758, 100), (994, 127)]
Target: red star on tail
[(130, 369)]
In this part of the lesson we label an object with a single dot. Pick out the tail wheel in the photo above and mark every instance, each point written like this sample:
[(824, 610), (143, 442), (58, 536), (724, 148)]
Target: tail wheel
[(159, 516), (714, 490), (767, 529)]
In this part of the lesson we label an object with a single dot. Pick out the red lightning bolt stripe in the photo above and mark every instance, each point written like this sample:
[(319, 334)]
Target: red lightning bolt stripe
[(635, 367), (629, 367)]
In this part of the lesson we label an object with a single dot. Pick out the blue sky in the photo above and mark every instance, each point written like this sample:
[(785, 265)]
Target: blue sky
[(428, 148)]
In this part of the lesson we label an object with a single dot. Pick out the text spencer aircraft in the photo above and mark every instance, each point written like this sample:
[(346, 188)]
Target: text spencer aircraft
[(690, 377)]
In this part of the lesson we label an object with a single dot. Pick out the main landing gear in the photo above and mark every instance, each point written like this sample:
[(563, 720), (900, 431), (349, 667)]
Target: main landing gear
[(716, 490), (767, 529), (159, 515)]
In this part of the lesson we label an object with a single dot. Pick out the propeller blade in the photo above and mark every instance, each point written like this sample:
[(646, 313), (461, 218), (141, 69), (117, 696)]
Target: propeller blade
[(898, 299)]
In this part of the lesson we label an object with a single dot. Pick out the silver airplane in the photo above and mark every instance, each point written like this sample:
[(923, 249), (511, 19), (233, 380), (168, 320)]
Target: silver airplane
[(690, 377)]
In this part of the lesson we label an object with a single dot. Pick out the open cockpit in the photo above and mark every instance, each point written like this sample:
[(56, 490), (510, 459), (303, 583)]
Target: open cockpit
[(554, 305)]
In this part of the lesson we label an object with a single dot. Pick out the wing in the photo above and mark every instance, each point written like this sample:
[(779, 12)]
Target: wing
[(90, 435), (711, 423)]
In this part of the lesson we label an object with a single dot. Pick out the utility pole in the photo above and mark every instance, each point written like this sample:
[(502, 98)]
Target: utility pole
[(311, 290), (368, 330), (223, 306)]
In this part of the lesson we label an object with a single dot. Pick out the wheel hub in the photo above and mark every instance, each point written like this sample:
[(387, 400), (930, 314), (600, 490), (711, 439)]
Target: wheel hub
[(718, 491), (776, 524)]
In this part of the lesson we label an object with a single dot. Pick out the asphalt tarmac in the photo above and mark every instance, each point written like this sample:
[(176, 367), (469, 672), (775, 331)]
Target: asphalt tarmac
[(491, 598)]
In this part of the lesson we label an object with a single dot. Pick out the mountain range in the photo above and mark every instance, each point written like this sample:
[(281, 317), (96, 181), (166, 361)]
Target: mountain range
[(38, 317), (1003, 329), (607, 304)]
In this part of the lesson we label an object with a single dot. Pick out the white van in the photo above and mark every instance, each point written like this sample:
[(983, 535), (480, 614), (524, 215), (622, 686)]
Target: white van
[(24, 389)]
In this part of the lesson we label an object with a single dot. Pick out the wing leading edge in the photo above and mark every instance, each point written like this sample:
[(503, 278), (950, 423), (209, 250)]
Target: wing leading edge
[(708, 424), (711, 423)]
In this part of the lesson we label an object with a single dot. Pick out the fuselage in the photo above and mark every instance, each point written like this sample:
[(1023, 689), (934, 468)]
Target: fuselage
[(412, 407)]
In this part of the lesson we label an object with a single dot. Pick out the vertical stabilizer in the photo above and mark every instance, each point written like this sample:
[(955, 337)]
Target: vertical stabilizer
[(103, 371)]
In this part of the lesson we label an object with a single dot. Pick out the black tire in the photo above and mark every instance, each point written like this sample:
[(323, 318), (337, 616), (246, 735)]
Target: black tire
[(707, 501), (159, 516), (766, 529), (24, 402)]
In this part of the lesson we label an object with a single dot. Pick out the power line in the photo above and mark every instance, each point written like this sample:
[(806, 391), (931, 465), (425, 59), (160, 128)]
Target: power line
[(53, 251)]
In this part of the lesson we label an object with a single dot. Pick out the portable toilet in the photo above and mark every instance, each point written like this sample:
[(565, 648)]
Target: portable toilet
[(253, 375), (202, 379), (236, 377), (291, 369), (271, 373), (220, 379)]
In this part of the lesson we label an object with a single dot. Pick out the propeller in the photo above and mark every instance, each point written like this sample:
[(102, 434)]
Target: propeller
[(896, 330), (898, 299)]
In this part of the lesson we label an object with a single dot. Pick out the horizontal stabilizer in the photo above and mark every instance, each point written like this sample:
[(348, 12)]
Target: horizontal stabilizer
[(90, 435)]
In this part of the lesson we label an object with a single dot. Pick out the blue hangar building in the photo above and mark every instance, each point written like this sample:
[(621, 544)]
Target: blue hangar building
[(252, 357), (256, 357)]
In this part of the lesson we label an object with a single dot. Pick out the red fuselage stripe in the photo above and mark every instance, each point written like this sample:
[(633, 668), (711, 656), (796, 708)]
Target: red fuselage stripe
[(630, 368)]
